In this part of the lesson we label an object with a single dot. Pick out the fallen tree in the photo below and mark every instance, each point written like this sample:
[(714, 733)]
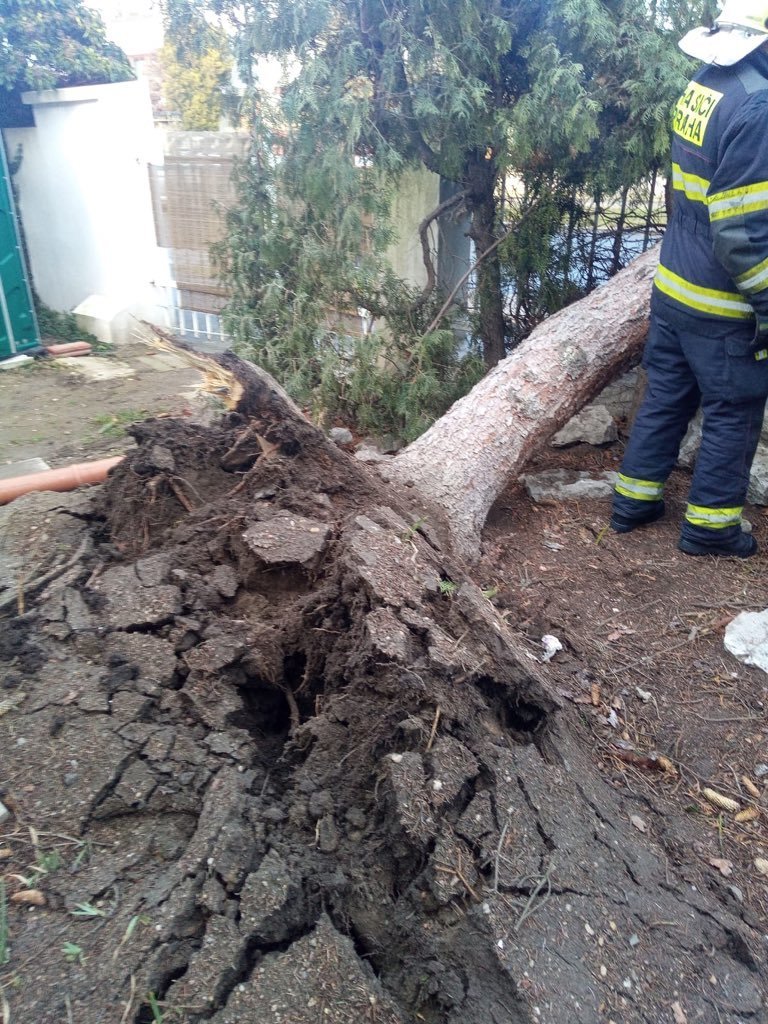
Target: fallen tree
[(322, 779), (466, 459)]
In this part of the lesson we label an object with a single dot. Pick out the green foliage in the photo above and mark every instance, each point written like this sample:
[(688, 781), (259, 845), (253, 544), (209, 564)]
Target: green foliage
[(115, 424), (73, 953), (197, 84), (63, 326), (561, 109), (46, 44), (87, 910)]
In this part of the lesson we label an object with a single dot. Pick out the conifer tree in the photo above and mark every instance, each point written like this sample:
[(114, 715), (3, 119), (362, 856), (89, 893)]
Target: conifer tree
[(570, 97)]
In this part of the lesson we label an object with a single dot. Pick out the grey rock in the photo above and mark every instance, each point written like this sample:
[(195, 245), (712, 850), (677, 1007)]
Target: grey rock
[(370, 455), (340, 435), (758, 482), (619, 396), (593, 425), (568, 485), (689, 449)]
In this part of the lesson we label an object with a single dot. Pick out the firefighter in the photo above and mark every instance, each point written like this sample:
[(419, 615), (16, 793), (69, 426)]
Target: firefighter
[(708, 338)]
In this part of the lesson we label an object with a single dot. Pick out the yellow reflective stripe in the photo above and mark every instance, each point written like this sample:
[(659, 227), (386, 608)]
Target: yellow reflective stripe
[(737, 201), (754, 280), (713, 518), (641, 490), (694, 187), (706, 300)]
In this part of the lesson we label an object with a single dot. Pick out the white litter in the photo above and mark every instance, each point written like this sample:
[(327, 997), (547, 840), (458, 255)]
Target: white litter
[(551, 646), (746, 637)]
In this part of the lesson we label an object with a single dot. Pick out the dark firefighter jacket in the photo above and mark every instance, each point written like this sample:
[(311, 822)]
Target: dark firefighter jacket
[(714, 257)]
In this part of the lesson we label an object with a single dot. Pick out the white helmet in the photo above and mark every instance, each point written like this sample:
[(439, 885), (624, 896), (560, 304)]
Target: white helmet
[(739, 28)]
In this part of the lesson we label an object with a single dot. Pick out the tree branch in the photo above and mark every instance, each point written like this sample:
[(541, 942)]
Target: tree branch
[(426, 252), (464, 277)]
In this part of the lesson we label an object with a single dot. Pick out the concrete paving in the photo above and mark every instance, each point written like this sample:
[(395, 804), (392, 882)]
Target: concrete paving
[(97, 368), (23, 468)]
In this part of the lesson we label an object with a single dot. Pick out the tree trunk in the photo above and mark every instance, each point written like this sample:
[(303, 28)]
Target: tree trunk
[(650, 210), (464, 461), (481, 202), (618, 233), (591, 276)]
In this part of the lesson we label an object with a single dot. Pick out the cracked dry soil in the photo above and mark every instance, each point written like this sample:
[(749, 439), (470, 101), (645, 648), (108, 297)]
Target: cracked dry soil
[(263, 768)]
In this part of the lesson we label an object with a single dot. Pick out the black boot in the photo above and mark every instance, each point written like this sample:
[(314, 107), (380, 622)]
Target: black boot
[(738, 545), (621, 523)]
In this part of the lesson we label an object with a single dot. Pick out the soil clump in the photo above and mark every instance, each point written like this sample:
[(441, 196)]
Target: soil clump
[(274, 755)]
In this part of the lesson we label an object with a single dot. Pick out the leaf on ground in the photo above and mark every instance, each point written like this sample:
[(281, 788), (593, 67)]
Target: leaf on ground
[(30, 896), (679, 1014), (725, 867)]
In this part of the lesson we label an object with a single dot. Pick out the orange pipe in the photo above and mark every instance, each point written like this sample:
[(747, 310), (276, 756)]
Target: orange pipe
[(69, 348), (64, 479)]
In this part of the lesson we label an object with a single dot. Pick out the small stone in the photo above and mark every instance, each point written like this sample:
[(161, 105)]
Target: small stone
[(327, 836), (370, 455), (340, 435), (4, 812), (70, 778), (634, 940)]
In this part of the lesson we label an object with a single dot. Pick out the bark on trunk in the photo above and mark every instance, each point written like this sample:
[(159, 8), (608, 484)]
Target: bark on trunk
[(465, 460), (481, 183)]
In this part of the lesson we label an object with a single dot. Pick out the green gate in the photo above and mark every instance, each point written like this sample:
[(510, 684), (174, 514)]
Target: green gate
[(18, 326)]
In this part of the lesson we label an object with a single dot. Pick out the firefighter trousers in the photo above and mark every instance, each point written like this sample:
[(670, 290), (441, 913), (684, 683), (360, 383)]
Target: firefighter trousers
[(712, 365)]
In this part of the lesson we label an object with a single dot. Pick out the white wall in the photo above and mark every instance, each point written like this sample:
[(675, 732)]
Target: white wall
[(84, 195), (417, 195)]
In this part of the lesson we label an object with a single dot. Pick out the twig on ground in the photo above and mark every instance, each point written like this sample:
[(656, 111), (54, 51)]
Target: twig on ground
[(531, 907), (129, 1003), (438, 712), (499, 848)]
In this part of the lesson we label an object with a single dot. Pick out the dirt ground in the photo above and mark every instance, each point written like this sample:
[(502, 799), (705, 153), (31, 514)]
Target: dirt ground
[(234, 797), (51, 411)]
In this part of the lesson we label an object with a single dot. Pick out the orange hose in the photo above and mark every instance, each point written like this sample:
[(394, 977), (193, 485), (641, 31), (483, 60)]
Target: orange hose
[(64, 479), (70, 348)]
